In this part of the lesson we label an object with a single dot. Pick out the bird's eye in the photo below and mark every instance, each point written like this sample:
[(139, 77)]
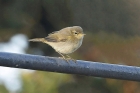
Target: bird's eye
[(75, 33)]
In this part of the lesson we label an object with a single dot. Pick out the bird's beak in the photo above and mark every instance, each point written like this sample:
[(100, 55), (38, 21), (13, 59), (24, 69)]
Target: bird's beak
[(82, 34)]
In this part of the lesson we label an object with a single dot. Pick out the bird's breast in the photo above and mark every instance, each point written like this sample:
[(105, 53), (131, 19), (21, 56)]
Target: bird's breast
[(66, 47)]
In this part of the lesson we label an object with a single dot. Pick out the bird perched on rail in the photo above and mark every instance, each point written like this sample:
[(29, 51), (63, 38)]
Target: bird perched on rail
[(64, 41)]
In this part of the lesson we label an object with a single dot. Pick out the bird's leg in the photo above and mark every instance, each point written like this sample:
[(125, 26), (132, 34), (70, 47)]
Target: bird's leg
[(62, 56), (71, 58), (68, 56)]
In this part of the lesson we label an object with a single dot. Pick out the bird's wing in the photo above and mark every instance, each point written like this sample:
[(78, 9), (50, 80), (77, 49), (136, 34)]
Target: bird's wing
[(56, 37)]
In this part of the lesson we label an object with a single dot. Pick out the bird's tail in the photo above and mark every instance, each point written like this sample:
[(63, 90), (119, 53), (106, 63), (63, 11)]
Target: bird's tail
[(38, 40)]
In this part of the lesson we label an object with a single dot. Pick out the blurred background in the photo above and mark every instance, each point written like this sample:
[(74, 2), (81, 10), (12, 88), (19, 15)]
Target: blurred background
[(113, 36)]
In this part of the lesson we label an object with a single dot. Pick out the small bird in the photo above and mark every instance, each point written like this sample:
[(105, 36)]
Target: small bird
[(64, 41)]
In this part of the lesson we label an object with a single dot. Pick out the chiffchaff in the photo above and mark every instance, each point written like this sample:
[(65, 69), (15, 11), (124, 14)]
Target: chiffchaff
[(64, 41)]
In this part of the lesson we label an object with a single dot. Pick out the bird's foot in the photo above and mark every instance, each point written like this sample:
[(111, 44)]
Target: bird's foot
[(66, 59)]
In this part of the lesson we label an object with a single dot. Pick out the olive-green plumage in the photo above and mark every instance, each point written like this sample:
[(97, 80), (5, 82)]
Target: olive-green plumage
[(64, 41)]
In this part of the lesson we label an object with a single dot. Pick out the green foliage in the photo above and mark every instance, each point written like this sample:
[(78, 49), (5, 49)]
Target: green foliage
[(3, 89), (43, 82), (85, 84)]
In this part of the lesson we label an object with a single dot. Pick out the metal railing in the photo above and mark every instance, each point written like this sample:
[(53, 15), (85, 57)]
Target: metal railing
[(81, 67)]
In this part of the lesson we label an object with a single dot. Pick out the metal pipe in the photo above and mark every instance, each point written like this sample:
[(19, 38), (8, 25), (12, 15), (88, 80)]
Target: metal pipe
[(81, 67)]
